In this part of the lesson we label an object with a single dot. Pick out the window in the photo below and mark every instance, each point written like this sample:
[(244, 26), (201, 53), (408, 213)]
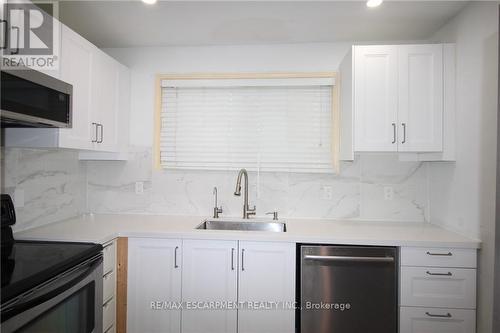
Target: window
[(265, 124)]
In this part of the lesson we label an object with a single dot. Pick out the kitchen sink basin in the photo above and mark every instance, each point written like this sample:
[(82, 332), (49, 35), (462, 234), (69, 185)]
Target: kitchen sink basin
[(242, 225)]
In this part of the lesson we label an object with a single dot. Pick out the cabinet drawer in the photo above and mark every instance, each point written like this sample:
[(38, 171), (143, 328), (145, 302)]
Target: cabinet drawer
[(109, 257), (430, 320), (438, 287), (108, 314), (438, 257), (108, 286)]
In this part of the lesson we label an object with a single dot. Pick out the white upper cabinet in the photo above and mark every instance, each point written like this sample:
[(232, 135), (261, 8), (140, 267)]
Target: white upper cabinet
[(375, 98), (394, 100), (100, 104), (76, 69), (105, 94), (154, 280), (209, 275), (420, 111)]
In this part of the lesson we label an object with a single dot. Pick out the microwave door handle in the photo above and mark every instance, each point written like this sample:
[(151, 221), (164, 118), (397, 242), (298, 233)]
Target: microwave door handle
[(27, 304)]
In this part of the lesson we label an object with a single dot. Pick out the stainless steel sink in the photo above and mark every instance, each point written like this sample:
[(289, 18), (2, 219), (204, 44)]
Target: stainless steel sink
[(242, 225)]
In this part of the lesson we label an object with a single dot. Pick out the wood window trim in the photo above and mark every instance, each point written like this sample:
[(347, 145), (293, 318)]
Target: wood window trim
[(335, 140)]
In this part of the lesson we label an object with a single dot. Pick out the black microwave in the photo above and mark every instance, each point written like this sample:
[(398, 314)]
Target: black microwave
[(33, 99)]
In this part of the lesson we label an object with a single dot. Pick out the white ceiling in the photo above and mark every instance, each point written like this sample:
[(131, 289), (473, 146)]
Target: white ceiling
[(132, 23)]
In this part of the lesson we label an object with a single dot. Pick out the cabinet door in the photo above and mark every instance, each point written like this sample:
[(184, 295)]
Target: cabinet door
[(76, 65), (375, 98), (105, 94), (420, 112), (154, 280), (267, 274), (209, 275)]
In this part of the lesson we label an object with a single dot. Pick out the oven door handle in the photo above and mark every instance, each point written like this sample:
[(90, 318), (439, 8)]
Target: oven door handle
[(25, 302)]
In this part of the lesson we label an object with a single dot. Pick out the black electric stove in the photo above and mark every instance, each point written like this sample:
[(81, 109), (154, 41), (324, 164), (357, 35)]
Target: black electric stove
[(28, 265), (31, 263)]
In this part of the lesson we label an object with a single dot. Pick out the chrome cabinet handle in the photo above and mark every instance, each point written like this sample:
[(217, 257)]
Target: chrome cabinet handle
[(346, 258), (5, 34), (449, 254), (102, 133), (448, 315), (175, 257), (17, 39), (439, 274), (242, 259), (393, 133), (404, 132), (232, 259), (95, 132)]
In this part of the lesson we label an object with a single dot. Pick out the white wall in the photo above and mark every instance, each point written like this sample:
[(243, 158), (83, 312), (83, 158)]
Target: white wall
[(462, 194), (145, 63)]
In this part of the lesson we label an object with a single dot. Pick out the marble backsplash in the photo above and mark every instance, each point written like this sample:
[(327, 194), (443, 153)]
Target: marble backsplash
[(51, 184), (56, 185), (356, 193)]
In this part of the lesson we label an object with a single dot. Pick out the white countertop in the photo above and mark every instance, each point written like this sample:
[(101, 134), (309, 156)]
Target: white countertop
[(104, 227)]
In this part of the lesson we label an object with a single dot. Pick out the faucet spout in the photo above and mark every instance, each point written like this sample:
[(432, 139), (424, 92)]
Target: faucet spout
[(247, 211)]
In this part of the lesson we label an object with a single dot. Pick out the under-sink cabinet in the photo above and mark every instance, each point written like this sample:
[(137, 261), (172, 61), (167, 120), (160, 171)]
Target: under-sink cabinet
[(210, 286), (437, 290)]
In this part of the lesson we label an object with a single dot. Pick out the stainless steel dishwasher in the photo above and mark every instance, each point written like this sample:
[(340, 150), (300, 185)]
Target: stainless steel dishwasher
[(347, 289)]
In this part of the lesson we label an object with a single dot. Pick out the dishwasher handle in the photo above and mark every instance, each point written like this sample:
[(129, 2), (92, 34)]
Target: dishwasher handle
[(348, 258)]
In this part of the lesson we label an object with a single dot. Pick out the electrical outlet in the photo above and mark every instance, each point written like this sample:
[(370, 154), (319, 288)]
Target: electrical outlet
[(327, 193), (139, 188), (388, 193)]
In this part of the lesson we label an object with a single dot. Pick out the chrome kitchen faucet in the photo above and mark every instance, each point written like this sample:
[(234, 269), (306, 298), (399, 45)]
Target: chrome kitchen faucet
[(247, 211)]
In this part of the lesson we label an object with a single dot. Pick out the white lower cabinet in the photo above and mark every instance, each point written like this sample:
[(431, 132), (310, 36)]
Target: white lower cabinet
[(267, 281), (209, 274), (109, 286), (154, 283), (215, 277), (437, 290), (431, 320), (438, 287)]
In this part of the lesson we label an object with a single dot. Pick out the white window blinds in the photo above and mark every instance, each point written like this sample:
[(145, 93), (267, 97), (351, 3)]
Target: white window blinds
[(286, 126)]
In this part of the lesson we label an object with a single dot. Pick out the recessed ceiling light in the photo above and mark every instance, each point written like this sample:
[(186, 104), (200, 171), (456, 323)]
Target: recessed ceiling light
[(369, 3), (149, 2)]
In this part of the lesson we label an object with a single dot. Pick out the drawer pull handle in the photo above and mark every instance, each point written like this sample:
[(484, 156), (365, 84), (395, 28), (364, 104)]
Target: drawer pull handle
[(449, 254), (105, 305), (439, 274), (448, 315)]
